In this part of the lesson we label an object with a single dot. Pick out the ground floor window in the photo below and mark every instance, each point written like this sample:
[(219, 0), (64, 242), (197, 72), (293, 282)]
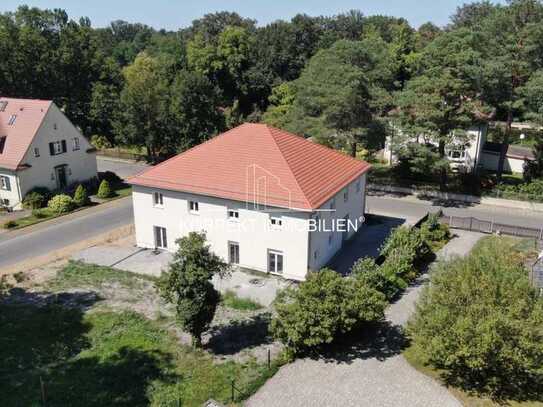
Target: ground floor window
[(275, 261), (4, 183), (233, 252), (161, 241)]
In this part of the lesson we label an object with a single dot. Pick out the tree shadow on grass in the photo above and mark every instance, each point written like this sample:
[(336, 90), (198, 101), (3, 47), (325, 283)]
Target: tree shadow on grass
[(44, 338), (239, 335), (378, 340)]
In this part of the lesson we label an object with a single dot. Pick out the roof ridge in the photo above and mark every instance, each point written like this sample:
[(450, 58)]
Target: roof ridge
[(269, 129)]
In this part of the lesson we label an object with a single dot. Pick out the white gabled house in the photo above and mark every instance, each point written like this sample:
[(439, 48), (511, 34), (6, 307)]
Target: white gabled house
[(268, 200), (39, 147)]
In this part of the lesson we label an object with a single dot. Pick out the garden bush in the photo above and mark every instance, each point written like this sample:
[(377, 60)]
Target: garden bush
[(382, 278), (80, 197), (39, 213), (104, 190), (434, 231), (61, 204), (36, 198), (99, 141), (409, 240), (322, 308), (10, 224), (479, 322)]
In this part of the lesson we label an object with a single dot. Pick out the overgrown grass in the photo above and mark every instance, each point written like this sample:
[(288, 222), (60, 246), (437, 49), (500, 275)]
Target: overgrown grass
[(526, 249), (79, 274), (108, 359), (231, 300)]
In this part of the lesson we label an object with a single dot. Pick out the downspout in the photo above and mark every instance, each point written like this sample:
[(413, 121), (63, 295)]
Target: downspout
[(479, 134)]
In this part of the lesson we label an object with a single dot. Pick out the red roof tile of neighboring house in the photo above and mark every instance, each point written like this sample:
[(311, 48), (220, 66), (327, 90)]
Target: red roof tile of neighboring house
[(20, 133), (259, 164)]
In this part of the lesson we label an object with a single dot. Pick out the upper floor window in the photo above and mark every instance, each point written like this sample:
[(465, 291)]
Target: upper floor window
[(158, 199), (36, 152), (358, 186), (346, 194), (2, 144), (233, 214), (194, 207), (333, 204), (76, 143), (276, 221), (12, 119), (5, 183), (57, 147)]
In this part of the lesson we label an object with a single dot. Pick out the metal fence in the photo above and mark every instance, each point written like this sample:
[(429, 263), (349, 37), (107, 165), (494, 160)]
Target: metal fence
[(485, 226)]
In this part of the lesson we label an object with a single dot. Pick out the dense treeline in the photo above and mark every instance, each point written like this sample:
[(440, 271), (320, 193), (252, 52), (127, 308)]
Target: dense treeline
[(341, 79)]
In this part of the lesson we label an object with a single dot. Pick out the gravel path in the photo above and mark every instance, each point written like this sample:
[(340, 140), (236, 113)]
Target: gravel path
[(374, 375)]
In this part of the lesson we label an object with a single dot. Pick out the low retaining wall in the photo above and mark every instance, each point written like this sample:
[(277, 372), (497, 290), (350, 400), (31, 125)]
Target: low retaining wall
[(449, 196)]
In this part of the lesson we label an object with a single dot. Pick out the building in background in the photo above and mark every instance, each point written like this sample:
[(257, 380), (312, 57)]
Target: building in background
[(39, 147)]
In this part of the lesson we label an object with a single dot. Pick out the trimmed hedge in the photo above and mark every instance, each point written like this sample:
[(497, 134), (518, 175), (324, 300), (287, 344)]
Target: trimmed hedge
[(61, 204)]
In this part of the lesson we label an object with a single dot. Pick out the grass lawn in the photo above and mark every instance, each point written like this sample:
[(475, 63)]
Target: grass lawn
[(231, 300), (88, 352)]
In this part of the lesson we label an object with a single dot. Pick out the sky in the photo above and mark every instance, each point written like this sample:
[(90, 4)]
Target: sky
[(175, 14)]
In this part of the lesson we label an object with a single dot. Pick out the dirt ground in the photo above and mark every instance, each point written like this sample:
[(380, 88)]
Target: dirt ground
[(234, 334)]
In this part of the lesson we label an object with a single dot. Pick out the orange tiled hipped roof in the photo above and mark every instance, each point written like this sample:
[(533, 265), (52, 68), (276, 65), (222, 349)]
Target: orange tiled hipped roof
[(20, 120), (259, 164)]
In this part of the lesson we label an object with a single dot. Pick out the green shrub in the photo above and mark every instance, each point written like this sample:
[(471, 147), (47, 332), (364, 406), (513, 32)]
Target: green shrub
[(409, 240), (36, 198), (61, 203), (479, 322), (231, 300), (39, 213), (382, 278), (434, 231), (80, 197), (10, 224), (99, 141), (323, 307), (104, 191)]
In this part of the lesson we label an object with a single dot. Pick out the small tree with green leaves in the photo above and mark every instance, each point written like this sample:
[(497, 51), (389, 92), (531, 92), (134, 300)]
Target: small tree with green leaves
[(80, 197), (187, 284), (322, 308), (104, 190)]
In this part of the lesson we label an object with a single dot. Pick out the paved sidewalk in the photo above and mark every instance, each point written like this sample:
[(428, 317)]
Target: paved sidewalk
[(376, 376)]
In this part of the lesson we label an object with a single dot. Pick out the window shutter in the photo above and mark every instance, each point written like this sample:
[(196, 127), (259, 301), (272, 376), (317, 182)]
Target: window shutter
[(64, 146), (52, 148)]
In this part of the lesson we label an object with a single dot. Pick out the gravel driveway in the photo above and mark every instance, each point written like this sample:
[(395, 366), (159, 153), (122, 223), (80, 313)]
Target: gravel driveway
[(374, 375)]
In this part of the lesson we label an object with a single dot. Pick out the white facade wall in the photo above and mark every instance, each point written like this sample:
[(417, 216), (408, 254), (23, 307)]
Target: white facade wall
[(324, 244), (252, 231), (81, 165), (491, 162), (12, 196)]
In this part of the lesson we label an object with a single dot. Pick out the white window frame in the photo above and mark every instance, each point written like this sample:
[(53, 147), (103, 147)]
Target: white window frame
[(5, 183), (233, 215), (57, 147), (12, 119), (276, 255), (76, 145), (276, 222), (232, 258), (161, 237), (36, 152), (194, 207), (158, 199)]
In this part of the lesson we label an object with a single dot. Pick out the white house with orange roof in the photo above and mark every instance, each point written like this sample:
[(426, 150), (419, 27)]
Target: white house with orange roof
[(268, 200), (39, 147)]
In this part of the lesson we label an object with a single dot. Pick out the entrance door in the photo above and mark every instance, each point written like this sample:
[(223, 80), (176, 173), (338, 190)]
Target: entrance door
[(62, 179)]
